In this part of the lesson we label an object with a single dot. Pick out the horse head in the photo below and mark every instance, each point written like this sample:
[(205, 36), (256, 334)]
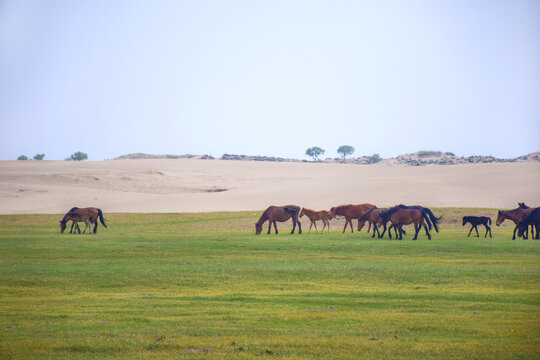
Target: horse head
[(258, 228), (62, 226), (500, 218), (302, 212), (331, 214)]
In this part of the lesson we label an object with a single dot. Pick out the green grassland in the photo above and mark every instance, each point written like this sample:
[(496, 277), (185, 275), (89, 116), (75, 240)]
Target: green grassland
[(203, 286)]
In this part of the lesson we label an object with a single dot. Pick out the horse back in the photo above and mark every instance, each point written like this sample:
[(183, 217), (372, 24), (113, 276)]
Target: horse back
[(352, 211)]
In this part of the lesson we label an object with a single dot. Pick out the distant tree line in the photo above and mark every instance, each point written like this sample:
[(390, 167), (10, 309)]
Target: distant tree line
[(344, 150), (36, 157), (77, 156)]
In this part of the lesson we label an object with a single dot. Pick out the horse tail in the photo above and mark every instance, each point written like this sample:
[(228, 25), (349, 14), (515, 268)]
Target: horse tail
[(425, 215), (489, 221), (435, 220), (100, 214)]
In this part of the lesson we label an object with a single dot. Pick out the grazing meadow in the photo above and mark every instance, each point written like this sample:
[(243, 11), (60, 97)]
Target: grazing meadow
[(203, 286)]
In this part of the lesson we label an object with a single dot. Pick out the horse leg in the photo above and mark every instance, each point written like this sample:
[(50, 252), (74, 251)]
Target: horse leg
[(417, 228), (472, 227), (275, 226), (399, 231), (514, 237), (369, 226), (310, 226), (315, 223), (350, 223), (476, 228), (86, 227), (95, 226), (269, 227), (375, 228), (384, 230), (487, 229), (427, 231), (294, 224), (72, 224), (390, 231)]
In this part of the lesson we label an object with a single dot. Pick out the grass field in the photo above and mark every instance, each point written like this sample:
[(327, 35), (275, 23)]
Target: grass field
[(203, 286)]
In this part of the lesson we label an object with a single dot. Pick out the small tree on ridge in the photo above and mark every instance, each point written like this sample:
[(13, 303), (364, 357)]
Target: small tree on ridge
[(345, 150), (314, 152)]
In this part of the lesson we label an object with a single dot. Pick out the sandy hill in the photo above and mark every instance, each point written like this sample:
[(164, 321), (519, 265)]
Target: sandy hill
[(193, 185)]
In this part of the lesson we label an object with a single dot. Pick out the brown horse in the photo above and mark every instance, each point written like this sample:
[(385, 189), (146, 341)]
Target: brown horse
[(351, 212), (372, 216), (87, 215), (400, 216), (281, 214), (515, 215), (322, 215)]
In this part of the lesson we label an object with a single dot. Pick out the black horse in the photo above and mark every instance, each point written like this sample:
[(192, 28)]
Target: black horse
[(475, 221), (532, 219)]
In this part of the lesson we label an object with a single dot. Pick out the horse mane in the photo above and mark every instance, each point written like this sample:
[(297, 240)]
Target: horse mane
[(367, 213)]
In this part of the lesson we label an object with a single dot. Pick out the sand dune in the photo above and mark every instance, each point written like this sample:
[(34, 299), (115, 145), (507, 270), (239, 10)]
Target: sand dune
[(189, 185)]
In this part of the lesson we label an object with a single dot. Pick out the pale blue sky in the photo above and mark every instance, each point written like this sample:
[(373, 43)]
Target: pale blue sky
[(269, 77)]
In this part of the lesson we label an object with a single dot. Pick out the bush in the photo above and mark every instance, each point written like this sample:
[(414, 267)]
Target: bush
[(78, 156), (22, 157), (375, 158), (39, 156)]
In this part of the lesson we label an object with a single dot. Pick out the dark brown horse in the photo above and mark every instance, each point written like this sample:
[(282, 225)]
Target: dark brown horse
[(399, 216), (351, 212), (281, 214), (372, 216), (88, 216), (315, 216), (533, 219), (515, 215)]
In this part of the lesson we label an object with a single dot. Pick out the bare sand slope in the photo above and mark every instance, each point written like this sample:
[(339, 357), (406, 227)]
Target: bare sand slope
[(189, 185)]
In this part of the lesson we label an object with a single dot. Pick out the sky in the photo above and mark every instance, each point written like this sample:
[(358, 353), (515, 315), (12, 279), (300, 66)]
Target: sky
[(271, 78)]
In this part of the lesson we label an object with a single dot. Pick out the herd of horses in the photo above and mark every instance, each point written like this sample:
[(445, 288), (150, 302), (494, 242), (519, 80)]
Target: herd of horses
[(397, 216)]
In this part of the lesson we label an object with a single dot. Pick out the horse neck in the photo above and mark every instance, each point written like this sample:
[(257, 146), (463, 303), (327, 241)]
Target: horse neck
[(263, 218), (66, 218)]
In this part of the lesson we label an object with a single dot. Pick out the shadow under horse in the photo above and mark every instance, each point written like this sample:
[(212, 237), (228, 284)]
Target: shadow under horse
[(281, 214)]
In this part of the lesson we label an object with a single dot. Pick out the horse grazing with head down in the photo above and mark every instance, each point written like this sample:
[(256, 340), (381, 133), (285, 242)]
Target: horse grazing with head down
[(533, 219), (281, 214), (515, 215), (89, 216), (315, 216), (351, 212), (372, 216)]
